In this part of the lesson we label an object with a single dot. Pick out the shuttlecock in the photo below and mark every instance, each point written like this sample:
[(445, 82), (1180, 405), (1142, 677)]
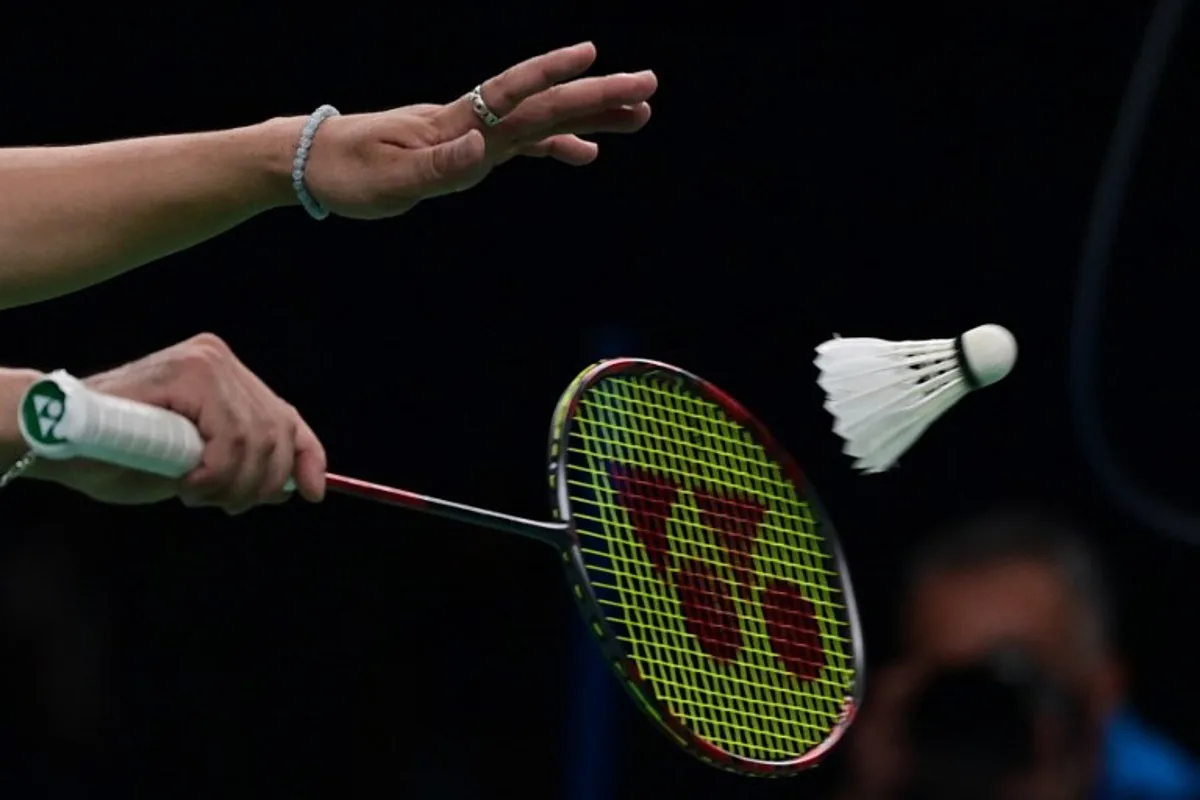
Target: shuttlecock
[(883, 395)]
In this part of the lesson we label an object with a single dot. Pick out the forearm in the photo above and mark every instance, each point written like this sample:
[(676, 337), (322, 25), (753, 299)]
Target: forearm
[(74, 216), (13, 383)]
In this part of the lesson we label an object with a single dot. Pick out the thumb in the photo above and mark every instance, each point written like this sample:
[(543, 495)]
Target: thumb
[(455, 165)]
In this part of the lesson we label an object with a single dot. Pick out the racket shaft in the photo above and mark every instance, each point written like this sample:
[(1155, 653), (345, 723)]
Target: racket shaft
[(554, 533)]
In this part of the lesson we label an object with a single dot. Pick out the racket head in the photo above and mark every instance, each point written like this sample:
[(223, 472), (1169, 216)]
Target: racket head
[(706, 567)]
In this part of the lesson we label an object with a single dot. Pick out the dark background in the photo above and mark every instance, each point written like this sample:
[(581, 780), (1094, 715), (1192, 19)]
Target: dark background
[(869, 169)]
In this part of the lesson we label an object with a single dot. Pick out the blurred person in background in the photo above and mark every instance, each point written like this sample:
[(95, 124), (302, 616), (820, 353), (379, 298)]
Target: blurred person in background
[(1009, 683)]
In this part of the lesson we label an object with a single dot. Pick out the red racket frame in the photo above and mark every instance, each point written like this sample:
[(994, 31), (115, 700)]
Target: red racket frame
[(561, 534)]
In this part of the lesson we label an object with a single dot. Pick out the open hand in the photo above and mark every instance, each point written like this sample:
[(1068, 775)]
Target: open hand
[(370, 166)]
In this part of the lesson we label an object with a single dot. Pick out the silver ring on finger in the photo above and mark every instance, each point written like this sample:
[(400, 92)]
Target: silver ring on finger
[(481, 108)]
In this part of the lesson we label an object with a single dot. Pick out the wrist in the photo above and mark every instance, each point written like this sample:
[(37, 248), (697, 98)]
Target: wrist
[(13, 383), (270, 147)]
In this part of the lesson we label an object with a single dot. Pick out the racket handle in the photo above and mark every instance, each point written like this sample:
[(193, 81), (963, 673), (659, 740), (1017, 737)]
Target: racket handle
[(61, 418)]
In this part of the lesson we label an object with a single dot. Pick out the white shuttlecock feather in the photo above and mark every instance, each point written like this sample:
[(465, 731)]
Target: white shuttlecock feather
[(883, 395)]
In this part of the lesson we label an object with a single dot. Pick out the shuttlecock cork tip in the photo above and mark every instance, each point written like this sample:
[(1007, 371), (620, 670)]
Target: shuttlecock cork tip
[(987, 354)]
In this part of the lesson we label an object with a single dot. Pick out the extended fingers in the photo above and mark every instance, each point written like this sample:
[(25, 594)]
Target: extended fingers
[(510, 88), (565, 148), (562, 108), (569, 148), (613, 120)]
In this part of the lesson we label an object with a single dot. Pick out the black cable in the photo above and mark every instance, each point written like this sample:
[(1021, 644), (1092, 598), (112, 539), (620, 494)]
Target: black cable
[(1107, 203)]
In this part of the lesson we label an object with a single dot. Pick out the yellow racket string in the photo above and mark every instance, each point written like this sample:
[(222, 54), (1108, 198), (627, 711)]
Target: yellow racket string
[(709, 566)]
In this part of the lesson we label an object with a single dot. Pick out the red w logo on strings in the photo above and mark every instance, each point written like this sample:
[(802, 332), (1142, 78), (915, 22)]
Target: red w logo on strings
[(706, 598)]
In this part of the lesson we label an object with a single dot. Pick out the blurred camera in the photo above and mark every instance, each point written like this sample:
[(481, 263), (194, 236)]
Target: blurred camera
[(973, 729)]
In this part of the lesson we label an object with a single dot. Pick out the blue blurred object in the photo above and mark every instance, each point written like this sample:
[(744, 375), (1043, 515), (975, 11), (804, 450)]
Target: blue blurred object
[(589, 762), (1140, 762), (589, 771)]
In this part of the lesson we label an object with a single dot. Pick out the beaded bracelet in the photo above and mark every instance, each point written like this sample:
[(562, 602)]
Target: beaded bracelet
[(300, 162)]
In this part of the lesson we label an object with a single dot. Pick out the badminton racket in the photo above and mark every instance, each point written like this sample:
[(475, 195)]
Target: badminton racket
[(700, 557)]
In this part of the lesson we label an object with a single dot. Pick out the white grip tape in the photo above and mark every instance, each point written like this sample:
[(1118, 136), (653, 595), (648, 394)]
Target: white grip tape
[(61, 418)]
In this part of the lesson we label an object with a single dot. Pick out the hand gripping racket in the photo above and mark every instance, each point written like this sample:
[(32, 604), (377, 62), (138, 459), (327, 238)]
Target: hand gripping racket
[(699, 555)]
